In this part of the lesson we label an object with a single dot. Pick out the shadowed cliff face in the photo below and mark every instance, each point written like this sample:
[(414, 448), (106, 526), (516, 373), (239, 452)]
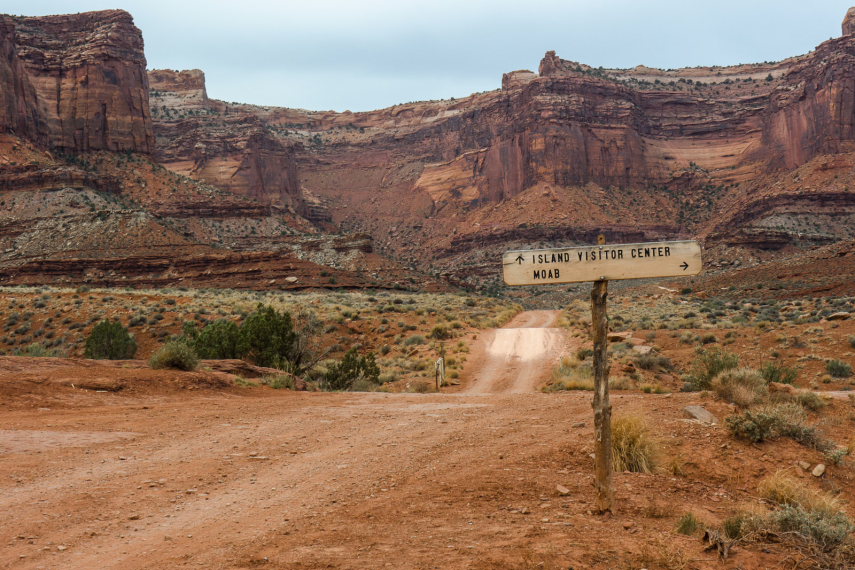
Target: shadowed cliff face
[(19, 110), (88, 74)]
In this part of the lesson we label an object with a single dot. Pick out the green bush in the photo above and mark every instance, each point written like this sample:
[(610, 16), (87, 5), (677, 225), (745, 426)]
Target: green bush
[(838, 369), (220, 339), (708, 364), (350, 370), (778, 372), (852, 342), (111, 341), (741, 386), (269, 337), (174, 355)]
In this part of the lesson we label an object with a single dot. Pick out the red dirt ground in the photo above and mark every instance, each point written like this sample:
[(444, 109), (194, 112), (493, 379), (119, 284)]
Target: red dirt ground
[(186, 470)]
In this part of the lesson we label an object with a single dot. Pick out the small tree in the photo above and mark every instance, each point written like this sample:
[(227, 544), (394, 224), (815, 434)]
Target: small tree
[(220, 339), (343, 374), (269, 337), (111, 341)]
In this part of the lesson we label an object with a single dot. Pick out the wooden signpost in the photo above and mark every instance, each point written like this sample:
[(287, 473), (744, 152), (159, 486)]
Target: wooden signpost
[(600, 263)]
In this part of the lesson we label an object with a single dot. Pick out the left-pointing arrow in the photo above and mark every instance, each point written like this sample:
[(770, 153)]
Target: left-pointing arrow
[(520, 258)]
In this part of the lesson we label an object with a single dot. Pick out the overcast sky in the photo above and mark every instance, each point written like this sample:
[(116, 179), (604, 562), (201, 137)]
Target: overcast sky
[(368, 54)]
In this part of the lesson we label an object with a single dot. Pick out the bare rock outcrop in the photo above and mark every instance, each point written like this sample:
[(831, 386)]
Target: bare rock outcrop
[(88, 74), (849, 22)]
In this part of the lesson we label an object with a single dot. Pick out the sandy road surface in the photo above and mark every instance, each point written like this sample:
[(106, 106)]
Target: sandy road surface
[(518, 357), (226, 478)]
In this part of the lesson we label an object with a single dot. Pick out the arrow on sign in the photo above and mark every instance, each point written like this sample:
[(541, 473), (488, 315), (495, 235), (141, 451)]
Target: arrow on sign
[(684, 265), (520, 258)]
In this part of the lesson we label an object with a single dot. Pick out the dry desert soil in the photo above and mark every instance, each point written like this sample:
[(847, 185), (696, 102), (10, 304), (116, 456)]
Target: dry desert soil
[(192, 472)]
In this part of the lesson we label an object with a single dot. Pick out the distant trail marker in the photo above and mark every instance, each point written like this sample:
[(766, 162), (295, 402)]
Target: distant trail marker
[(599, 263)]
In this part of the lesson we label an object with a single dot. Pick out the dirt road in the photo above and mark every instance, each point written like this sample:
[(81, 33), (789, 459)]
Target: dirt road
[(518, 357), (247, 478)]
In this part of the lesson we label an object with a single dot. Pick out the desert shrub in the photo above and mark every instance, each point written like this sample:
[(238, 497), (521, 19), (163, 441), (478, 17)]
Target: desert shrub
[(652, 361), (174, 355), (827, 530), (810, 400), (413, 340), (773, 421), (779, 372), (852, 342), (420, 387), (280, 381), (111, 341), (709, 363), (353, 368), (688, 524), (584, 353), (633, 448), (838, 369), (37, 350), (741, 386), (440, 332), (269, 337)]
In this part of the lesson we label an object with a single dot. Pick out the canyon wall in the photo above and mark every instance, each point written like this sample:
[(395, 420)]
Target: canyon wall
[(87, 73)]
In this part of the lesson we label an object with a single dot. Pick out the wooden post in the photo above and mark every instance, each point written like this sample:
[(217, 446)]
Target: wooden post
[(602, 406)]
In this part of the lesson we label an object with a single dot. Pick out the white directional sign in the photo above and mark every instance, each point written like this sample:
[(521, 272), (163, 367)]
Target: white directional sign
[(596, 262)]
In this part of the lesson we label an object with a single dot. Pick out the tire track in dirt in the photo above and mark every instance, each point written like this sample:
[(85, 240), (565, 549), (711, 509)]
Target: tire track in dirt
[(519, 357)]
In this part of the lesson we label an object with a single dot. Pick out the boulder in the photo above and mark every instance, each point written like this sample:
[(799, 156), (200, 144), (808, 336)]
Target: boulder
[(701, 414)]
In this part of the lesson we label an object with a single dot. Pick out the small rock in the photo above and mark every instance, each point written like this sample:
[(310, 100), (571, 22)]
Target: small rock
[(642, 349), (62, 547), (701, 414), (804, 465), (627, 525), (291, 279), (839, 316), (578, 425), (562, 490), (619, 336), (819, 470)]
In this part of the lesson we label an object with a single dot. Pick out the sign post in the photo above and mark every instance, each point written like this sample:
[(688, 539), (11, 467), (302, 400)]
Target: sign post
[(601, 404), (600, 263)]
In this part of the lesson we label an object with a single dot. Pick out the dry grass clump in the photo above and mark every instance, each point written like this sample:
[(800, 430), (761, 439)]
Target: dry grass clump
[(633, 447), (571, 374), (784, 489), (741, 386)]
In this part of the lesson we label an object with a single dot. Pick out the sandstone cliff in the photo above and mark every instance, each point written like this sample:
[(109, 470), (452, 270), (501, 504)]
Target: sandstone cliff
[(87, 72)]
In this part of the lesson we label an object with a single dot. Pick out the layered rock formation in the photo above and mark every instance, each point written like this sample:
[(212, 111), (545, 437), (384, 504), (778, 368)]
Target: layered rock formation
[(87, 72), (210, 141)]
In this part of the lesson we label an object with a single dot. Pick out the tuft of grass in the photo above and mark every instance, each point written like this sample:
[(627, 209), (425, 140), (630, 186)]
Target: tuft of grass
[(633, 448), (778, 372), (783, 489), (280, 382), (741, 386), (571, 374), (688, 524)]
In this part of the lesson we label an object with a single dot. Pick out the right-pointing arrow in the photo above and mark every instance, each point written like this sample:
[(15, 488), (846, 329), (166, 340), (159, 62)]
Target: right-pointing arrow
[(684, 265)]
